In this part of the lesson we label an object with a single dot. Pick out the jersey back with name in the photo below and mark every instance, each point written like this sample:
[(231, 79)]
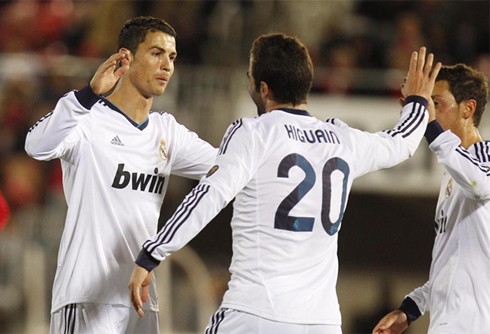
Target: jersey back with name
[(287, 217), (290, 175)]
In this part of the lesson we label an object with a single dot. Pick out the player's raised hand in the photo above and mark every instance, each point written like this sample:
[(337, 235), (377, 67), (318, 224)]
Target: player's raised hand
[(393, 323), (421, 75), (107, 76), (138, 288)]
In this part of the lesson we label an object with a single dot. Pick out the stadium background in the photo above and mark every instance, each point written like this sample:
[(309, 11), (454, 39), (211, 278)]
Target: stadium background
[(360, 50)]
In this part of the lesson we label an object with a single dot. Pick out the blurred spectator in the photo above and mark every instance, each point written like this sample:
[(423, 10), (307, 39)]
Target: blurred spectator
[(4, 211)]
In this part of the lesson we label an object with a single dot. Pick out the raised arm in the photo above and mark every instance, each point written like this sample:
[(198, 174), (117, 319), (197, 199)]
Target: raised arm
[(388, 148), (46, 139)]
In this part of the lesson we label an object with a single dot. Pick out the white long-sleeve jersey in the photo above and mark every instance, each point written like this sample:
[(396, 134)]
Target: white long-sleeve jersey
[(291, 175), (458, 291), (115, 175)]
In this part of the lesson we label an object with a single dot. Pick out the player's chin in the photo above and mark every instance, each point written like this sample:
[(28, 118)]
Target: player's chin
[(157, 91)]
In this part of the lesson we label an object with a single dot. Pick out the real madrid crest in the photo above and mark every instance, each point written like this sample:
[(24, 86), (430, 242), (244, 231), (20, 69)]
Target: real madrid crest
[(449, 187), (163, 149)]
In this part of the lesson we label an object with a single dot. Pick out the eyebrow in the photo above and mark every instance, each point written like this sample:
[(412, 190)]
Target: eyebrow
[(163, 50)]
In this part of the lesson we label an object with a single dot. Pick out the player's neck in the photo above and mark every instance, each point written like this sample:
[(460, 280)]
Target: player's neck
[(470, 136), (132, 103), (272, 105)]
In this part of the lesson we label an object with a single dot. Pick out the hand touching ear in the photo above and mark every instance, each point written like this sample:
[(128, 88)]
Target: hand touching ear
[(107, 76)]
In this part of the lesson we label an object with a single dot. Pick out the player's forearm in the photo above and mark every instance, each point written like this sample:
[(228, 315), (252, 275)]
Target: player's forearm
[(44, 139), (416, 303), (413, 122), (199, 207)]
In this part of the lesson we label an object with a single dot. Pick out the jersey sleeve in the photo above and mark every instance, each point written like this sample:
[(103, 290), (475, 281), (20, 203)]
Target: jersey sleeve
[(388, 148), (416, 303), (194, 157), (235, 166), (472, 175), (47, 139)]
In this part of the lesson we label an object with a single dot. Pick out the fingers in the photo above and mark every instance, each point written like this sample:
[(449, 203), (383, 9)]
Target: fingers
[(384, 324), (428, 64), (401, 101), (136, 299), (435, 72), (137, 286), (421, 59), (144, 293), (413, 63)]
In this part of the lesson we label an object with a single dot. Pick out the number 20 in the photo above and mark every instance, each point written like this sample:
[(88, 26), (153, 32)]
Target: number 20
[(284, 221)]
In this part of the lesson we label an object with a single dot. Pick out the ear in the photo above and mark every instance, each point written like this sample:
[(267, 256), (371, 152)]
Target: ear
[(128, 53), (469, 108), (264, 90)]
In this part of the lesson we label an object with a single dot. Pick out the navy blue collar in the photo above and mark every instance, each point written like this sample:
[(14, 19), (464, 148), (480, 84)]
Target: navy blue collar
[(301, 112), (109, 104)]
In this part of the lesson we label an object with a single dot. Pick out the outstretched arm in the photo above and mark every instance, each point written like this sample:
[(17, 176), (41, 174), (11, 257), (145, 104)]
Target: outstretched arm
[(387, 148)]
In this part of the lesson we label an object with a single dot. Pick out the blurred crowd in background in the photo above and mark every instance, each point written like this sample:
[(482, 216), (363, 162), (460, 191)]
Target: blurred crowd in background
[(350, 42)]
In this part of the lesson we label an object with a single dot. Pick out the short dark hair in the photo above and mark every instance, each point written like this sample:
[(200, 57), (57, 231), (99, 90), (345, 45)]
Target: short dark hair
[(134, 31), (284, 64), (465, 84)]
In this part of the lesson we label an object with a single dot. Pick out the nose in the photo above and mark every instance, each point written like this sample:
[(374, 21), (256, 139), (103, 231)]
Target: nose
[(166, 64)]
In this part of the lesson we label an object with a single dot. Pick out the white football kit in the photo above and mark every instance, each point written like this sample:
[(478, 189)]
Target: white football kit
[(115, 175), (458, 291), (291, 175)]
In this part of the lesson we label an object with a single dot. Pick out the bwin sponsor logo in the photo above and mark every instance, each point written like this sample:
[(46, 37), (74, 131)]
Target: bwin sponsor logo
[(139, 181)]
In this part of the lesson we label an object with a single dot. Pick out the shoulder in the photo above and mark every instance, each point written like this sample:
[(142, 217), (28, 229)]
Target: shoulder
[(482, 151), (337, 122), (164, 118), (161, 115)]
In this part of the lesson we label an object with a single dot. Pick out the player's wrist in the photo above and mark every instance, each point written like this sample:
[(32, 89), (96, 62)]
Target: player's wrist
[(411, 310), (145, 260), (418, 99), (87, 97)]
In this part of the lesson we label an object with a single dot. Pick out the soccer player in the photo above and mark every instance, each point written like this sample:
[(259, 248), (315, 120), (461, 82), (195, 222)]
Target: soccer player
[(458, 291), (291, 175), (116, 157)]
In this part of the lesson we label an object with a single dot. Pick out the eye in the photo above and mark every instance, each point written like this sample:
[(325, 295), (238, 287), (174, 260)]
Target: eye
[(156, 53)]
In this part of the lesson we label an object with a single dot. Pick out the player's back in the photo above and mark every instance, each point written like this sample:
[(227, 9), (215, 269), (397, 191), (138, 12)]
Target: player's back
[(286, 218)]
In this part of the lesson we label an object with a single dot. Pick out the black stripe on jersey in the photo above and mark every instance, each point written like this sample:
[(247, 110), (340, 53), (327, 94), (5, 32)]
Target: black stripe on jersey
[(416, 116), (478, 147), (474, 161), (419, 117), (482, 151), (180, 211), (216, 321), (42, 119), (487, 150), (330, 120), (69, 317), (179, 217), (235, 126)]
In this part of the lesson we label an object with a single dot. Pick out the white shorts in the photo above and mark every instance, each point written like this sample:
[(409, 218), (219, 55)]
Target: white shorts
[(93, 318), (230, 321)]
